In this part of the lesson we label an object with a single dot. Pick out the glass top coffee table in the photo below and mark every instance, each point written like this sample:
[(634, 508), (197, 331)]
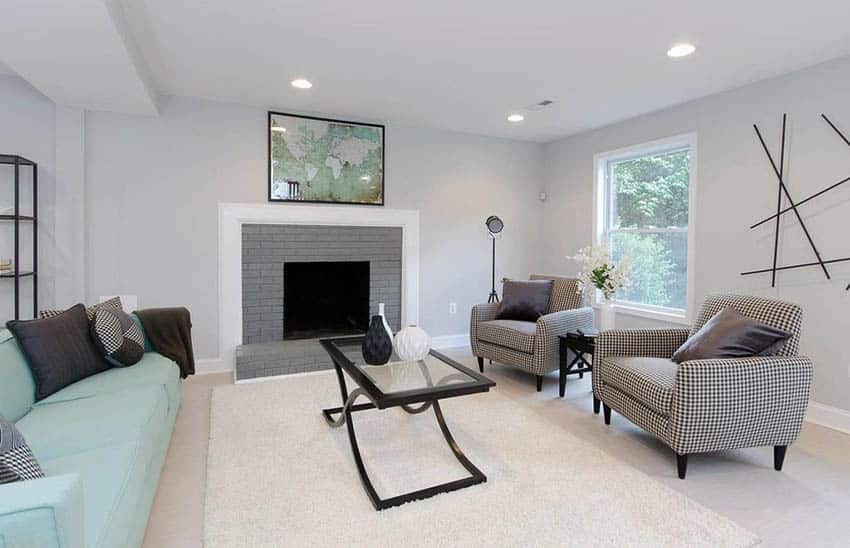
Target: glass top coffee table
[(415, 387)]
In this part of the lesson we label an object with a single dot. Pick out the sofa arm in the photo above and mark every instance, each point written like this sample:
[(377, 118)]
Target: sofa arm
[(43, 512), (739, 402), (549, 328), (480, 313)]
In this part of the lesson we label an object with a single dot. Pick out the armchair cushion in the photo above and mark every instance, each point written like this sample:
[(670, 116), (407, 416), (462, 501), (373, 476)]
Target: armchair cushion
[(509, 333), (649, 380)]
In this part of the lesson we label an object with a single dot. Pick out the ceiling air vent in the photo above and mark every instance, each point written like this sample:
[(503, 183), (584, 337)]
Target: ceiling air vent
[(539, 106)]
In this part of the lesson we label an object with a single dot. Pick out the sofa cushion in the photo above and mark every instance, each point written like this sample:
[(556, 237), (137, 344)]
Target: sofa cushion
[(58, 350), (566, 293), (153, 369), (509, 333), (648, 380), (17, 388), (102, 420), (112, 480)]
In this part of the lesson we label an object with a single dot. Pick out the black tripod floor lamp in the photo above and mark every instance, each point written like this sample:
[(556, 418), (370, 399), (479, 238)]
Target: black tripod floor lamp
[(494, 227)]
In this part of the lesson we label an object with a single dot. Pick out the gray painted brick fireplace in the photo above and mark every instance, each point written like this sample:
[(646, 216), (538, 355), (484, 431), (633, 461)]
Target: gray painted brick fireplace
[(265, 250)]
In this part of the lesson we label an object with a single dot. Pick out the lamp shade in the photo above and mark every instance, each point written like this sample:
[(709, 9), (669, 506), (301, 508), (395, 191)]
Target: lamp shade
[(494, 224)]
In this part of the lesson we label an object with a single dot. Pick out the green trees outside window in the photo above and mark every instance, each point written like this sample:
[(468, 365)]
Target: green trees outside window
[(647, 219)]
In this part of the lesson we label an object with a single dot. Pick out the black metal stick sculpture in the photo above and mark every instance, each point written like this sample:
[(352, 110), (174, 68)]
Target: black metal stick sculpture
[(783, 190)]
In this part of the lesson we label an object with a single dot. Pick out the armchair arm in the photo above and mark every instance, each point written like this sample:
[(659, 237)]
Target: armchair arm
[(549, 327), (650, 343), (480, 313), (739, 402), (43, 512)]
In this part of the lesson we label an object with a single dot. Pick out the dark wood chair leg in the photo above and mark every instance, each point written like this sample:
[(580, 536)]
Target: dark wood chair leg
[(682, 465), (539, 383), (606, 411), (481, 364), (779, 456), (596, 403)]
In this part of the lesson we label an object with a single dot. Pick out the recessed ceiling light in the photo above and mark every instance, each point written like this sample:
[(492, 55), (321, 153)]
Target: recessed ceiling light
[(279, 128), (301, 83), (516, 118), (681, 50)]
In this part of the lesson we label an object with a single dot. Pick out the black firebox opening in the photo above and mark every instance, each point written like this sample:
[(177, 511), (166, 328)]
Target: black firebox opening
[(322, 299)]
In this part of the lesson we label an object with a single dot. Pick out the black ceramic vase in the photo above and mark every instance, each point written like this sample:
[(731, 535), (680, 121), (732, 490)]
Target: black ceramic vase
[(377, 346)]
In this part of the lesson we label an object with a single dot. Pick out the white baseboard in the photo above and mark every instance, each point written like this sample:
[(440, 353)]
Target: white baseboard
[(450, 341), (831, 417), (205, 366)]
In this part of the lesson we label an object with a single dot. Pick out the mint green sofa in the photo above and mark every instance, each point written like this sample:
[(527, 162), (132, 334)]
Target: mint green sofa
[(101, 443)]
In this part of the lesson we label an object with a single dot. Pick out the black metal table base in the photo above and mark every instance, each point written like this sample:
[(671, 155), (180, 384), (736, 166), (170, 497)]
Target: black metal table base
[(349, 407)]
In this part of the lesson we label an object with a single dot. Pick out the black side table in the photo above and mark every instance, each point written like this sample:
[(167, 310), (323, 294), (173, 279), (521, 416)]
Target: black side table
[(581, 343)]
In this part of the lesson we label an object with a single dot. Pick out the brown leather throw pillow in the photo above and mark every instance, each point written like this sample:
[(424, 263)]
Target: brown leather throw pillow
[(524, 300), (730, 334)]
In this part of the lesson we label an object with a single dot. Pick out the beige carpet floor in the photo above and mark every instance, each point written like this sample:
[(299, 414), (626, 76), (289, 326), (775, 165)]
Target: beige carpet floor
[(277, 475)]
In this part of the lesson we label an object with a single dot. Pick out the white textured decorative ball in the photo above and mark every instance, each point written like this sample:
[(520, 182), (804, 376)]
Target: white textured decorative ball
[(412, 343)]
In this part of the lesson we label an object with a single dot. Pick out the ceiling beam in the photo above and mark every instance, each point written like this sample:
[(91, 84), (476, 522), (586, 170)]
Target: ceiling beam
[(79, 54)]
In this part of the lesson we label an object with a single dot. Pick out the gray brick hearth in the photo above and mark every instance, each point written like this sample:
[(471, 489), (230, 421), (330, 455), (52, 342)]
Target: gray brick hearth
[(265, 249)]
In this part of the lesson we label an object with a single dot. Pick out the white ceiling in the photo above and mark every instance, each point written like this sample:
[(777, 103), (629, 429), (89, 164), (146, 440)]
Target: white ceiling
[(77, 53), (466, 64)]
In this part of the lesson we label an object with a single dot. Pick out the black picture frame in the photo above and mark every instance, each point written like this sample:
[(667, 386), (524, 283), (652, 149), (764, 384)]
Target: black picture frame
[(383, 129)]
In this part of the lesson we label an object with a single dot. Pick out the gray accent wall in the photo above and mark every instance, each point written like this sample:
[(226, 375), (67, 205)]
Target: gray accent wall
[(266, 248), (736, 188)]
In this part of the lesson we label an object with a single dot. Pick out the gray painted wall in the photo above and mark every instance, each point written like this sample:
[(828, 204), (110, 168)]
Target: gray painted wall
[(736, 187), (28, 128), (153, 186)]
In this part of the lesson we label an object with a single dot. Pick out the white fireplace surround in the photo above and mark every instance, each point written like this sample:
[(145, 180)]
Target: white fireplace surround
[(232, 216)]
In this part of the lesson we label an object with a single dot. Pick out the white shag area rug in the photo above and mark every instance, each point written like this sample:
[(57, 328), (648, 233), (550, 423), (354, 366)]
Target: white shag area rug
[(278, 475)]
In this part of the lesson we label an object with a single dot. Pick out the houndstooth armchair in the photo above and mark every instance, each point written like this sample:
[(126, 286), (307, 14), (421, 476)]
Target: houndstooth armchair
[(707, 405), (531, 346)]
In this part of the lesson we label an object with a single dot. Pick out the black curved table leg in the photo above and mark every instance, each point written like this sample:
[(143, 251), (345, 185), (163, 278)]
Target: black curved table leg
[(475, 477)]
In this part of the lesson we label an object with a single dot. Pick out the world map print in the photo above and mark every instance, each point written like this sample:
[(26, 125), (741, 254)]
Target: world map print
[(318, 160)]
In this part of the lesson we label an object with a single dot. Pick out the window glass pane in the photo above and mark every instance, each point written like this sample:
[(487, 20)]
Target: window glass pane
[(659, 267), (651, 191)]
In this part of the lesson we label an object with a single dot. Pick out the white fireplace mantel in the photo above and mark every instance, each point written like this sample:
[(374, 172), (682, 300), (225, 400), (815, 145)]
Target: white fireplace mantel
[(232, 216)]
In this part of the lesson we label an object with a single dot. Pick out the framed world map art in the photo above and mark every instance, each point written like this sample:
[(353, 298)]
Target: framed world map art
[(319, 160)]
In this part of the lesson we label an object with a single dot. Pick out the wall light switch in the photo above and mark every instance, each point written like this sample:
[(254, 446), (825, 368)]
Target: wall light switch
[(452, 308)]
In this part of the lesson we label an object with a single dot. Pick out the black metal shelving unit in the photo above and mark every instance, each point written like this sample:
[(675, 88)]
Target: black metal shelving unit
[(19, 162)]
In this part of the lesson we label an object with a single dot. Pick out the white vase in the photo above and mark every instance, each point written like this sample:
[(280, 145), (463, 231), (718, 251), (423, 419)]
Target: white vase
[(384, 320), (412, 343), (605, 317)]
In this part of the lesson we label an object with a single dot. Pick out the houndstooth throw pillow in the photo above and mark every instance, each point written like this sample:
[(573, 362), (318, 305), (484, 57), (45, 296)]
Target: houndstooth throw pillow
[(114, 304), (118, 337), (16, 459)]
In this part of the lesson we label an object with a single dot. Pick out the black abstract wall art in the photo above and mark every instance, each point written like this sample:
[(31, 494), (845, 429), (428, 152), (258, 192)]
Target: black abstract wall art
[(783, 192)]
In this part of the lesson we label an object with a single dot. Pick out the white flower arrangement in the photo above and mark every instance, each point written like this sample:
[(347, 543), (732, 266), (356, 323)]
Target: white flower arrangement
[(599, 271)]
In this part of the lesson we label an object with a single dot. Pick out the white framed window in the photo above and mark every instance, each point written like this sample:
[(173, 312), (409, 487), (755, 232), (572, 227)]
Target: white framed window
[(644, 208)]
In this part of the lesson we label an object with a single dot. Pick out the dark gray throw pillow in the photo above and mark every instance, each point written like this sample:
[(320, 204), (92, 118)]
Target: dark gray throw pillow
[(730, 334), (59, 350), (524, 300), (16, 459)]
